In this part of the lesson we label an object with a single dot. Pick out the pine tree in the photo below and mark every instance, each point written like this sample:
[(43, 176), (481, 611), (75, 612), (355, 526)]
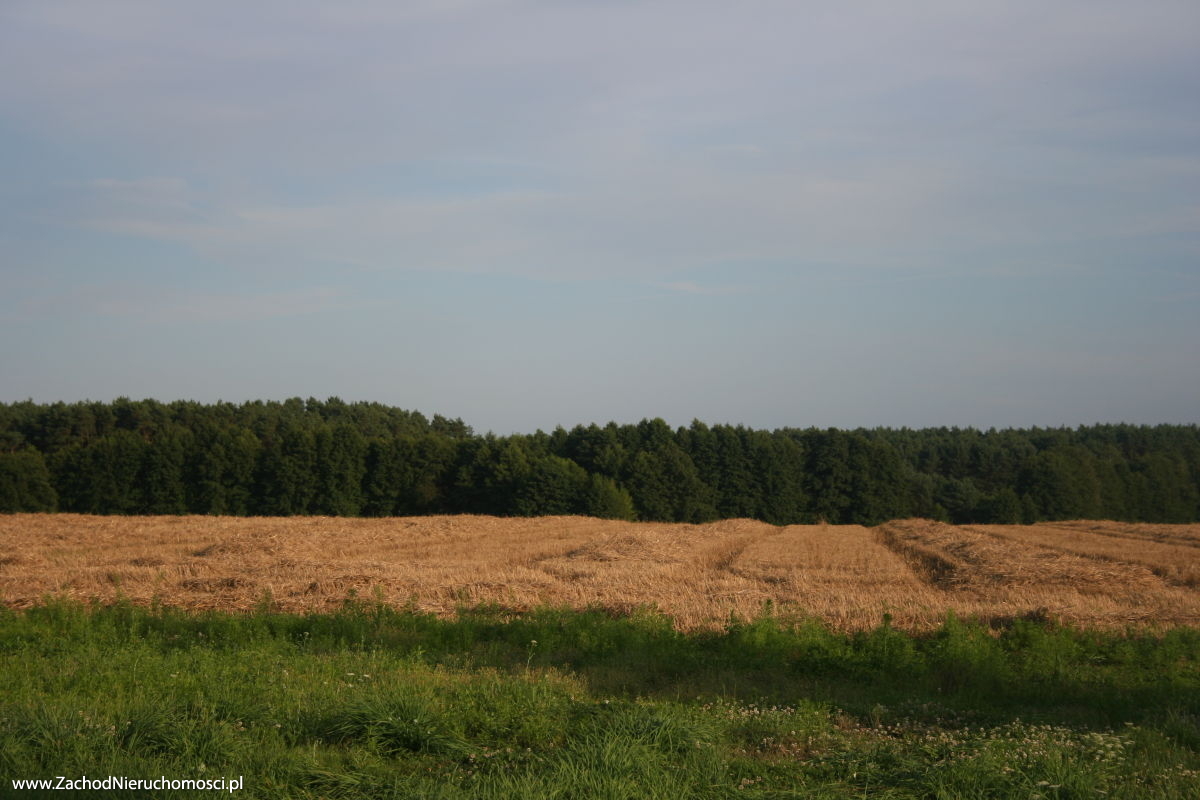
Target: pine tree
[(341, 465), (286, 473), (25, 483), (161, 475)]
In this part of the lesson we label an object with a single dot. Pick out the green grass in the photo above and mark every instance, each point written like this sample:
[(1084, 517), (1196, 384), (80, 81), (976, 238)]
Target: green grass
[(380, 703)]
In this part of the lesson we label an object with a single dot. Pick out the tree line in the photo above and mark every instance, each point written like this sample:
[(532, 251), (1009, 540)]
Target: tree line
[(366, 459)]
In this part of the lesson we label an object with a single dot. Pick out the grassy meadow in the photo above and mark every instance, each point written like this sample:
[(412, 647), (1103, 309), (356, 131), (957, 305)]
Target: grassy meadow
[(371, 701)]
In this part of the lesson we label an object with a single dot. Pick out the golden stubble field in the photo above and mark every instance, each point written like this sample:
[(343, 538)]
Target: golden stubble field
[(1098, 574)]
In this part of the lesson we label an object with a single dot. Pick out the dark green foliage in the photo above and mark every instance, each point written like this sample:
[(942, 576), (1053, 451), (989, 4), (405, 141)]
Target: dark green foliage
[(340, 466), (779, 463), (332, 457), (407, 476), (605, 499), (106, 475), (25, 483), (551, 485), (220, 469), (921, 489), (1162, 490), (666, 486), (287, 476), (877, 485), (488, 476), (961, 500), (1062, 484), (739, 493), (830, 482), (1002, 508), (162, 475), (852, 477), (650, 486)]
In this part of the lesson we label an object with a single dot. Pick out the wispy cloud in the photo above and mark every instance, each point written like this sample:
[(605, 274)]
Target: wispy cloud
[(670, 146), (170, 306), (158, 191), (221, 307), (215, 162), (690, 287)]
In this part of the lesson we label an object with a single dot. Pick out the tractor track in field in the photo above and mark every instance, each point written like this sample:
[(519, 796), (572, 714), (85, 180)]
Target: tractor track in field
[(848, 576)]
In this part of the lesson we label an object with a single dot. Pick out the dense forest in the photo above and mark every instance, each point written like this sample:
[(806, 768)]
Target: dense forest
[(336, 458)]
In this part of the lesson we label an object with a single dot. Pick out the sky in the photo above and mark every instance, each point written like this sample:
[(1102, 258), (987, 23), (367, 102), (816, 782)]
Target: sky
[(530, 214)]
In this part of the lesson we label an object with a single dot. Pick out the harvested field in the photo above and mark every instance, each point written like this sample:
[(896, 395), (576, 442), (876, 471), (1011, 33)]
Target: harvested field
[(1173, 555), (1101, 574), (1011, 569)]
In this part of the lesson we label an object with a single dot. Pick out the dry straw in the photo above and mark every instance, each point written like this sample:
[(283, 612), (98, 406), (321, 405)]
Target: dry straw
[(1106, 574)]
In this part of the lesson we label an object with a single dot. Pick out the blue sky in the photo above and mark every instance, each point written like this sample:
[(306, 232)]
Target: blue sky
[(528, 214)]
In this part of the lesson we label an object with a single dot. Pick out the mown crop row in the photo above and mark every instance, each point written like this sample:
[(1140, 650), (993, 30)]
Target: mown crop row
[(1098, 574)]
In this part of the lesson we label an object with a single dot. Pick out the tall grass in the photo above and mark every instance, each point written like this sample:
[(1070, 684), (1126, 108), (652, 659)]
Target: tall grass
[(376, 702)]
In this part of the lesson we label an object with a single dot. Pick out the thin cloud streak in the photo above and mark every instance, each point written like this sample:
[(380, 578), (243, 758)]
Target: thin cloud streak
[(714, 143), (690, 287), (140, 304)]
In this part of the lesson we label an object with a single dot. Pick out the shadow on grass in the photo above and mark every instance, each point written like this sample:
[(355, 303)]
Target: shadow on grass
[(1032, 670)]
